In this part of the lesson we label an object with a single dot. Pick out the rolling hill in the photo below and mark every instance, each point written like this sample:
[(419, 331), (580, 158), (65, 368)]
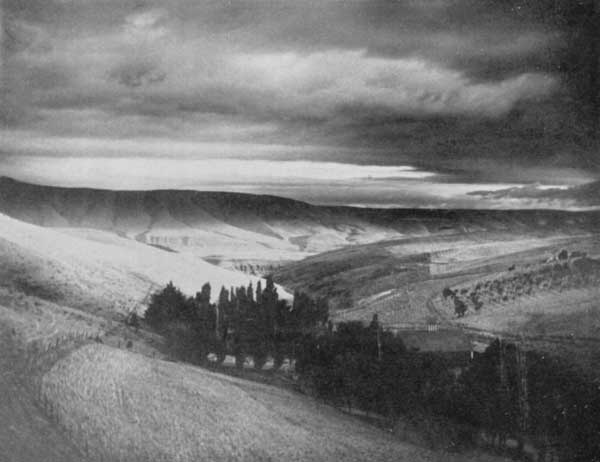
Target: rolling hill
[(103, 251), (372, 273), (402, 281), (71, 258), (93, 402), (123, 406), (74, 399), (97, 271), (231, 228)]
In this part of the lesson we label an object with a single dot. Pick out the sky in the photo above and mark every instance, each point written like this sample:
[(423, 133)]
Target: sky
[(424, 103)]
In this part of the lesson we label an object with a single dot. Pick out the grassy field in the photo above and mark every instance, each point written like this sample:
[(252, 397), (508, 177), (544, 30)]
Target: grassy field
[(529, 298), (26, 434), (539, 314), (30, 328), (37, 320), (97, 271), (123, 406)]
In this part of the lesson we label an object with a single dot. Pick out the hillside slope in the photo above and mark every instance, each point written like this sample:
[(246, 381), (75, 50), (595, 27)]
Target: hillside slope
[(354, 276), (233, 226), (97, 270), (129, 407), (99, 403), (26, 435), (555, 297), (402, 281)]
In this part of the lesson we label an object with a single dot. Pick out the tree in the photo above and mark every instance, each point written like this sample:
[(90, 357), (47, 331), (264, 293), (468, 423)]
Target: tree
[(375, 327), (460, 308), (269, 295), (258, 297), (203, 296), (447, 292), (477, 304), (166, 306), (322, 311), (222, 314), (268, 307), (205, 316), (250, 293)]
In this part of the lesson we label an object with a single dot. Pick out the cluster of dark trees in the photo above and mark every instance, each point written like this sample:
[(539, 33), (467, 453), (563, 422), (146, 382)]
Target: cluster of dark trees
[(244, 322), (543, 397), (460, 307), (504, 392), (367, 368)]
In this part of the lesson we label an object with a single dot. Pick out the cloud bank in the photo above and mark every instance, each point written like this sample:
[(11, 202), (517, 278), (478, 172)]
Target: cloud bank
[(476, 91)]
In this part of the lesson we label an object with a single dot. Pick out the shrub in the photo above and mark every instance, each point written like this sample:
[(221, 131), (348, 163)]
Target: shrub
[(447, 292), (460, 308), (166, 306)]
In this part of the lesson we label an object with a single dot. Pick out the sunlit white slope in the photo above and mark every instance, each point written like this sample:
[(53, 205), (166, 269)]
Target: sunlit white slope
[(99, 268)]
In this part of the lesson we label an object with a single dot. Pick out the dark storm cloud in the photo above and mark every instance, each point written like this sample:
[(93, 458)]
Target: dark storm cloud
[(136, 74), (476, 86)]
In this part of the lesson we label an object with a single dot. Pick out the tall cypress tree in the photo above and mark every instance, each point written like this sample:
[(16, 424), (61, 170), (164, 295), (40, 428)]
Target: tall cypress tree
[(206, 313), (250, 293), (269, 303), (222, 314), (223, 299), (258, 297), (204, 295)]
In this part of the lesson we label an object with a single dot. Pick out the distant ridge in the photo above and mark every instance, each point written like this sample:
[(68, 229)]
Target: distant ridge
[(585, 195), (258, 226)]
